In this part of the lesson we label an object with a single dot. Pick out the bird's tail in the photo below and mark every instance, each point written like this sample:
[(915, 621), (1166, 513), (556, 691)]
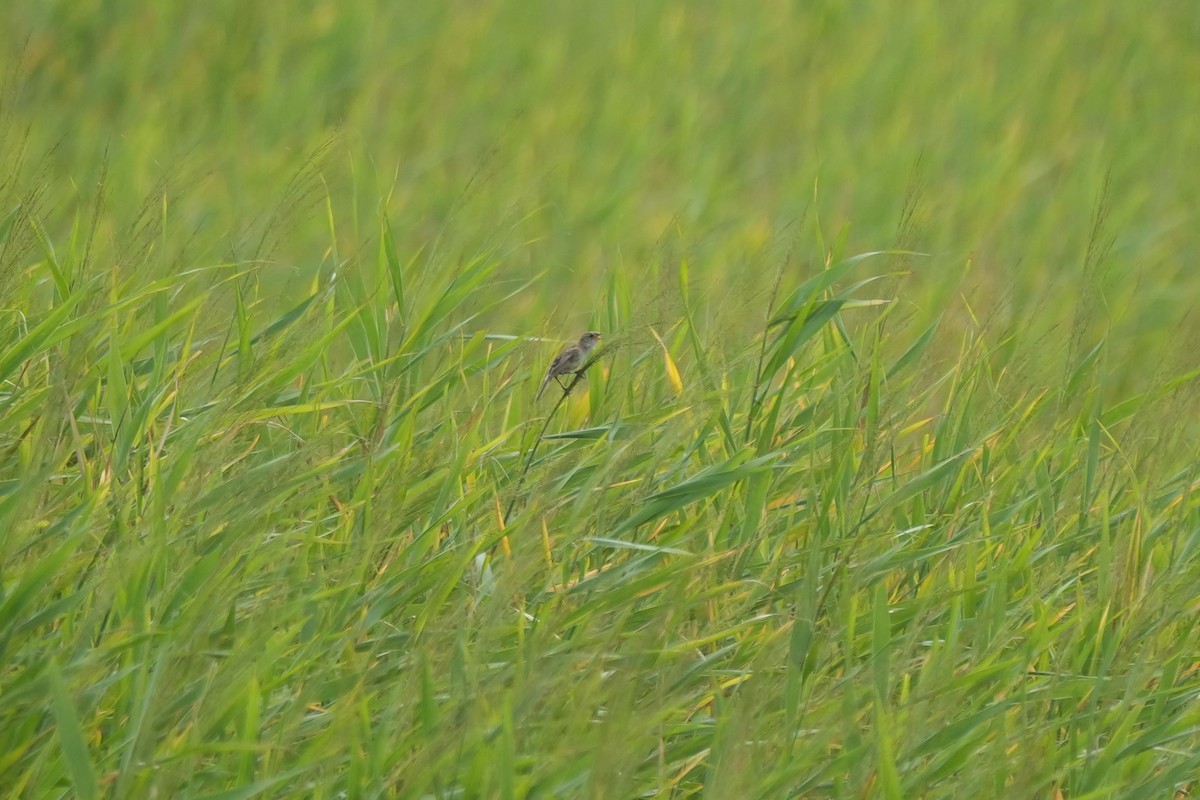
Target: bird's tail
[(542, 388)]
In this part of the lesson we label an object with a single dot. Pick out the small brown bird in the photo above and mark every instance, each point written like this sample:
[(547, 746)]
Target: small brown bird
[(569, 360)]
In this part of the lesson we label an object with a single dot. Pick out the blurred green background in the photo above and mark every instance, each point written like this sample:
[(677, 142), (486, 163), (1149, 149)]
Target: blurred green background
[(576, 140)]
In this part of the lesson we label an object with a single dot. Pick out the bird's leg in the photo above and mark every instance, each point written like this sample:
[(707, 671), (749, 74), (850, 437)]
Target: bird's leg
[(558, 380)]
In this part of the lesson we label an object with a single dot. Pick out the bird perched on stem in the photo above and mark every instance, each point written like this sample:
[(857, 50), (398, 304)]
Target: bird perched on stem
[(569, 360)]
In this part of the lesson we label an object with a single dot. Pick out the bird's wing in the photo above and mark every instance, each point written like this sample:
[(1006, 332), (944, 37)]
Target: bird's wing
[(557, 367)]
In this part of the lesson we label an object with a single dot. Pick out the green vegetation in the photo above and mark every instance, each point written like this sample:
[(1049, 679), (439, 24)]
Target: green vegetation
[(884, 482)]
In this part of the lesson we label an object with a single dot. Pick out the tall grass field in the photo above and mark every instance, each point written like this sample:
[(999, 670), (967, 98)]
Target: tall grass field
[(884, 480)]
